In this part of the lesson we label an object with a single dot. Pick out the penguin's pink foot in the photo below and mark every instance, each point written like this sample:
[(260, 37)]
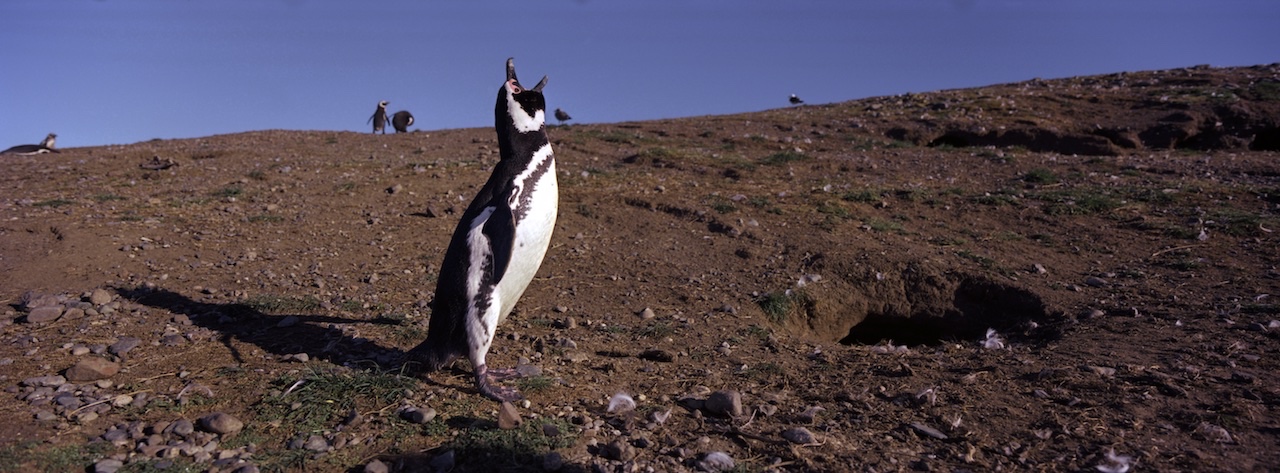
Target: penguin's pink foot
[(486, 381)]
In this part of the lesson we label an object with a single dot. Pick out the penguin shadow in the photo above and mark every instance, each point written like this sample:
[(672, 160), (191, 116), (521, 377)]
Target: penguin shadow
[(279, 334)]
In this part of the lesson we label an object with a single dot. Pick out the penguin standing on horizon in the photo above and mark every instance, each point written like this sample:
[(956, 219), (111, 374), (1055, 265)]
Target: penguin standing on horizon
[(795, 100), (401, 121), (45, 146), (499, 243), (379, 118)]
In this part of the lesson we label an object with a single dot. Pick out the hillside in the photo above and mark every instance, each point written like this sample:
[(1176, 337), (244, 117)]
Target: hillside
[(1054, 275)]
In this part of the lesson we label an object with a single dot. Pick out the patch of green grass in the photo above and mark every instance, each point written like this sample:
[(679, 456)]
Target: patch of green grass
[(1238, 223), (265, 218), (784, 157), (1268, 90), (257, 175), (229, 191), (332, 140), (270, 304), (1039, 176), (865, 196), (983, 261), (533, 384), (1078, 202), (514, 449), (721, 204), (310, 402), (757, 332), (880, 225), (759, 202), (777, 306), (763, 372), (656, 330), (101, 198), (39, 456), (345, 187), (834, 209), (53, 203)]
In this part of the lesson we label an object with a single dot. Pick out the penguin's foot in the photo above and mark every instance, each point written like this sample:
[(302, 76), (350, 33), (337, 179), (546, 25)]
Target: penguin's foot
[(486, 380)]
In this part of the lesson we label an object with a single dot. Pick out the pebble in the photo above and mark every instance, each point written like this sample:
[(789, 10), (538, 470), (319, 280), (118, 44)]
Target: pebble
[(100, 297), (92, 369), (647, 314), (45, 381), (316, 443), (508, 416), (619, 450), (376, 466), (43, 315), (418, 416), (724, 403), (221, 423), (107, 466), (552, 461), (716, 462), (444, 461), (122, 346), (799, 435)]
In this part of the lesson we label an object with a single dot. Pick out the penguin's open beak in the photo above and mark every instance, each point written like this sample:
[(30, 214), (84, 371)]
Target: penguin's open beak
[(515, 83)]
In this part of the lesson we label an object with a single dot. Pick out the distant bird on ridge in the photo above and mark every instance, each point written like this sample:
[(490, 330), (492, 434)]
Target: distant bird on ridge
[(796, 100), (45, 146), (379, 118), (401, 121), (562, 116)]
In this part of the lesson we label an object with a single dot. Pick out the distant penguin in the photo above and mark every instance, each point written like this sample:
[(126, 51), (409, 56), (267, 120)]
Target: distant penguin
[(796, 100), (401, 121), (45, 146), (379, 118), (499, 243), (562, 116)]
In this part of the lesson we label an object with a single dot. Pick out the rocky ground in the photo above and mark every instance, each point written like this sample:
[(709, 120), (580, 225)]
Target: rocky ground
[(1054, 275)]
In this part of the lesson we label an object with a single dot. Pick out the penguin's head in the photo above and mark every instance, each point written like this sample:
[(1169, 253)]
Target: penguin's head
[(48, 140), (525, 107), (383, 104)]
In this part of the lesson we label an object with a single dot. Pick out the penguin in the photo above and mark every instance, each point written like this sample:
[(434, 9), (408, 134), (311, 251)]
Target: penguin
[(499, 243), (401, 121), (379, 118), (562, 116), (796, 100), (45, 146)]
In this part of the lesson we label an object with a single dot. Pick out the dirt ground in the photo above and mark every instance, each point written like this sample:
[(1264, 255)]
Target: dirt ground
[(837, 266)]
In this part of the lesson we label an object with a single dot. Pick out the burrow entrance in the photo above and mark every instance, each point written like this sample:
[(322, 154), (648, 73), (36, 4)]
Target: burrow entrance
[(917, 306), (976, 306)]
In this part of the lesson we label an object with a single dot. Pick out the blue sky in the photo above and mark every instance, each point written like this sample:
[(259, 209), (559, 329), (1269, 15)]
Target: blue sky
[(122, 71)]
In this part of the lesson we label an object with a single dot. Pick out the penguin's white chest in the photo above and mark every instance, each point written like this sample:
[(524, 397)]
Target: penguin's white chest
[(536, 219)]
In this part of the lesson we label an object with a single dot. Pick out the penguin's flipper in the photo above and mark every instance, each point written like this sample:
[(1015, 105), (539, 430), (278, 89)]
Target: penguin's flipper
[(370, 120), (500, 228)]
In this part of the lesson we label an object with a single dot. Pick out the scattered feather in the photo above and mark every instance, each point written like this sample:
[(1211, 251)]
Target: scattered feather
[(621, 403), (993, 340), (1114, 463)]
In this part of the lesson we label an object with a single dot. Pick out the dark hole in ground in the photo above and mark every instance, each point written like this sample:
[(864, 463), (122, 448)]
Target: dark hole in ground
[(977, 305)]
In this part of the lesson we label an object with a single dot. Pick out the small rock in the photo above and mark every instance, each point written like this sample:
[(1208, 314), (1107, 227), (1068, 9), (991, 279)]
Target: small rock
[(799, 435), (619, 450), (123, 346), (183, 427), (716, 462), (552, 461), (221, 423), (100, 297), (508, 416), (376, 466), (928, 431), (316, 443), (444, 461), (418, 416), (73, 313), (724, 403), (107, 466), (45, 381), (43, 315), (647, 314), (1094, 281), (657, 355)]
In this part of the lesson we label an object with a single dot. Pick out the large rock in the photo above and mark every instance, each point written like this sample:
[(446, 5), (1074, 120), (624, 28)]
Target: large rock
[(45, 314), (92, 369), (221, 423)]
